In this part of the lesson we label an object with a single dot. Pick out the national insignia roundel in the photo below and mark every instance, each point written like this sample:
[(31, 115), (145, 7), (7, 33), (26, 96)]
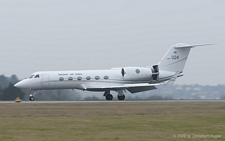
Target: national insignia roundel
[(137, 71)]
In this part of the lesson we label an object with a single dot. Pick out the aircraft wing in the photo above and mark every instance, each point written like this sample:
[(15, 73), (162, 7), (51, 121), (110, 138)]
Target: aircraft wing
[(134, 88)]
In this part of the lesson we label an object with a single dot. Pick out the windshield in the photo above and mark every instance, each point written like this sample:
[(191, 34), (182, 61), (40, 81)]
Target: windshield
[(31, 76), (34, 76)]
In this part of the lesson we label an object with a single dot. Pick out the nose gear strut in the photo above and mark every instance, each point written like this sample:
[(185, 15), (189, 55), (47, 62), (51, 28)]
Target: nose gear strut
[(33, 93)]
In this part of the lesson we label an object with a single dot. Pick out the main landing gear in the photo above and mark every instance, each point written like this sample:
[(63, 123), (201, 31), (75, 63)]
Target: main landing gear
[(31, 98), (109, 96), (121, 97)]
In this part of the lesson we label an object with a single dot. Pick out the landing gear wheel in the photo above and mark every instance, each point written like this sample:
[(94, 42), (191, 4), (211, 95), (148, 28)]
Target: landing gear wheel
[(121, 97), (31, 98), (32, 94), (109, 97)]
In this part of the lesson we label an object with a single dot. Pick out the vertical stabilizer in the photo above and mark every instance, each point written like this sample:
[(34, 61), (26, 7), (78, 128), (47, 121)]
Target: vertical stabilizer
[(176, 57)]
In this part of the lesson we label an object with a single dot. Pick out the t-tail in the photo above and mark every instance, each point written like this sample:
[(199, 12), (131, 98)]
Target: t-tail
[(175, 59)]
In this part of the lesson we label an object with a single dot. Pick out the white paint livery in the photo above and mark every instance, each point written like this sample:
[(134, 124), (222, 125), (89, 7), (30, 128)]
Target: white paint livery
[(132, 79)]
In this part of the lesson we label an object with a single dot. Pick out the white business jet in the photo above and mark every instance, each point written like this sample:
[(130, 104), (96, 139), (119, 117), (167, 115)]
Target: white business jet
[(120, 80)]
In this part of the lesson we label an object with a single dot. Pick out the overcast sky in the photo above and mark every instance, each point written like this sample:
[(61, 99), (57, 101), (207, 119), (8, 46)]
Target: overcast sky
[(101, 34)]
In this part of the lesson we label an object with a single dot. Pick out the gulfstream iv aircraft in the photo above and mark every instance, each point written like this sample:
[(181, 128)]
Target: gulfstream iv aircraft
[(120, 80)]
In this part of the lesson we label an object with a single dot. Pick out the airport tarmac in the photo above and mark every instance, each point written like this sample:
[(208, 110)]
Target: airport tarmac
[(114, 101)]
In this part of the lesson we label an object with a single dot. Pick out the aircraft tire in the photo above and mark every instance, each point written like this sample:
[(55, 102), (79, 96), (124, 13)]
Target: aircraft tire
[(31, 98), (109, 97), (122, 97)]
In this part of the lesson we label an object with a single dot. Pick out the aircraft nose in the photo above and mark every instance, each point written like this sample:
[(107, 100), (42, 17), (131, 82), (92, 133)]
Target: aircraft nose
[(20, 84)]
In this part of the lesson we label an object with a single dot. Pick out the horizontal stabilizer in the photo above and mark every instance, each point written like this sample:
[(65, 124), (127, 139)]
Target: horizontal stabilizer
[(182, 45)]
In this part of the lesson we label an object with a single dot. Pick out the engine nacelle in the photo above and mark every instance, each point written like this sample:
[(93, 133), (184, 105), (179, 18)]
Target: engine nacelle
[(136, 73)]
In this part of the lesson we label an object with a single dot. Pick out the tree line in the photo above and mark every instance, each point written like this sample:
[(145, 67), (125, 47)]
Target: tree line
[(8, 93), (7, 90)]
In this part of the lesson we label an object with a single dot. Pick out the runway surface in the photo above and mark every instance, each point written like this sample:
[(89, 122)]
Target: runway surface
[(114, 101)]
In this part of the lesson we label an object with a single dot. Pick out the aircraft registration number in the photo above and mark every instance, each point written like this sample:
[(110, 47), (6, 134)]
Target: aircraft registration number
[(175, 57)]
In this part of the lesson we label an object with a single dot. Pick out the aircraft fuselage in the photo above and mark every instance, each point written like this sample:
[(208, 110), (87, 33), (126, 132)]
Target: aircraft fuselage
[(132, 79), (84, 79)]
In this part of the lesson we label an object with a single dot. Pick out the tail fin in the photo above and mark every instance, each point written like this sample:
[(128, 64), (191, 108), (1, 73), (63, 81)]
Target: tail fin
[(176, 57)]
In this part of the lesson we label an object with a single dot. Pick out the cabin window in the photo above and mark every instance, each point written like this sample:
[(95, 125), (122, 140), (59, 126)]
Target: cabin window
[(88, 77), (70, 78), (106, 77), (61, 78), (79, 78), (37, 76), (97, 77)]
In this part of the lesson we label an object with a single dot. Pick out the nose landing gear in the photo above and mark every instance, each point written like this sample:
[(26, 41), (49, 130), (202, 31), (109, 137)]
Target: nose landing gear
[(31, 98)]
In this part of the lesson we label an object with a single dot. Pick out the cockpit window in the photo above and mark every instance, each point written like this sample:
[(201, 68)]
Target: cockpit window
[(34, 76), (31, 76)]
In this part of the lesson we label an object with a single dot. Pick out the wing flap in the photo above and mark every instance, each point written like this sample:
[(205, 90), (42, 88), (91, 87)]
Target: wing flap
[(133, 88), (140, 89)]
